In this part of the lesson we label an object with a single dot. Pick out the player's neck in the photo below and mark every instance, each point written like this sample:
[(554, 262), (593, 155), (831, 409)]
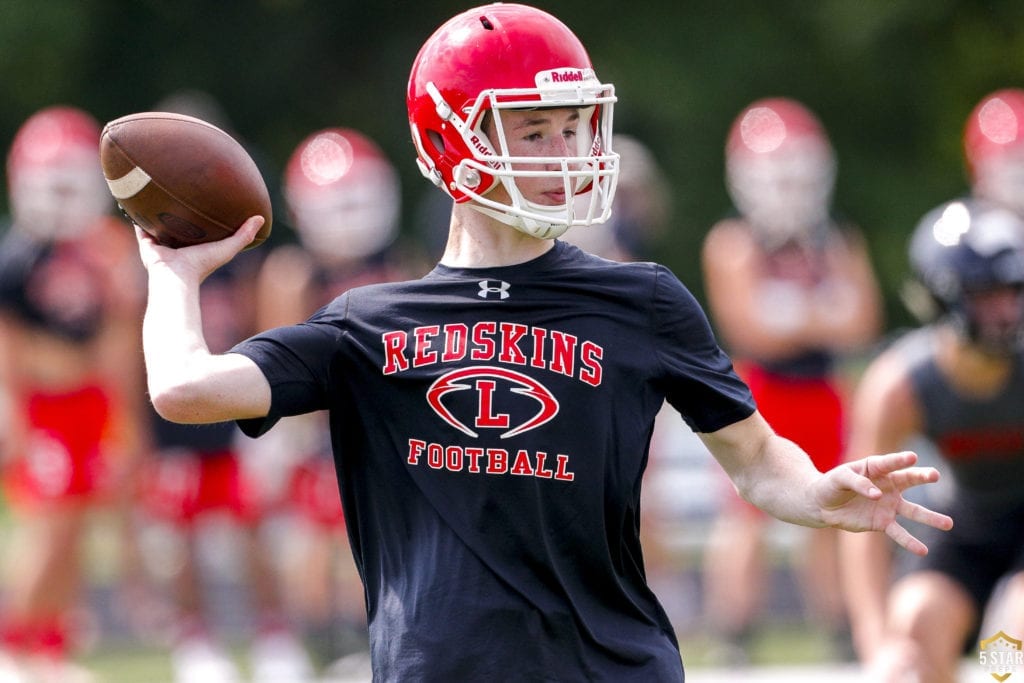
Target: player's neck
[(477, 241), (973, 372)]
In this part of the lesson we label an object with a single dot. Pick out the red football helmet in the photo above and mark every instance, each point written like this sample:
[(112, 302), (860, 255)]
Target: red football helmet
[(343, 195), (510, 56), (780, 168), (994, 147), (54, 178)]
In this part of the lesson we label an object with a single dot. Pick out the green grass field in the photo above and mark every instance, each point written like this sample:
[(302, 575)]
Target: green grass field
[(783, 645), (129, 664)]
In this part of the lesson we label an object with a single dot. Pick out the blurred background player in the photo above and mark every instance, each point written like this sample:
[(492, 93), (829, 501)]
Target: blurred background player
[(792, 292), (342, 196), (959, 382), (640, 212), (676, 497), (640, 217), (70, 376), (210, 507), (197, 479)]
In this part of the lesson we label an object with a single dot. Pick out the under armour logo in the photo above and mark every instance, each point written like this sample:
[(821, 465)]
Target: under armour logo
[(489, 287)]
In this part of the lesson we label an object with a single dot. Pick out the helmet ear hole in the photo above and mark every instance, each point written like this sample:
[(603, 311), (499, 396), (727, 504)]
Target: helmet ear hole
[(436, 141)]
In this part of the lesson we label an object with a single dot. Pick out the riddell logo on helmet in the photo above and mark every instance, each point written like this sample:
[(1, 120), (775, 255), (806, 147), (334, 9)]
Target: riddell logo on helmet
[(547, 80), (480, 146), (483, 152), (574, 76)]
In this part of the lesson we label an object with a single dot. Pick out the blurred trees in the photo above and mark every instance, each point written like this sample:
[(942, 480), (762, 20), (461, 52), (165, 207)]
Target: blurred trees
[(893, 80)]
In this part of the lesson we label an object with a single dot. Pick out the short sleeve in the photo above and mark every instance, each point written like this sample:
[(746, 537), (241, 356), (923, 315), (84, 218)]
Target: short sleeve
[(298, 363), (697, 376)]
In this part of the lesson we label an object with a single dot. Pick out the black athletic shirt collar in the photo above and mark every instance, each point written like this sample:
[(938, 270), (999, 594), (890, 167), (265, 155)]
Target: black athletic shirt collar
[(542, 263)]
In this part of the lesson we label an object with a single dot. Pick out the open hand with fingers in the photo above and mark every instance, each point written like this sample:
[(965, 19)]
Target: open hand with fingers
[(867, 495)]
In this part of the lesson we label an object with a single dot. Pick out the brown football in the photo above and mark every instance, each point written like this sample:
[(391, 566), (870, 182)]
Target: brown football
[(181, 179)]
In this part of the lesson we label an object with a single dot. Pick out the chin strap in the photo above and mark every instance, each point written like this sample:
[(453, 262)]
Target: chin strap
[(534, 228)]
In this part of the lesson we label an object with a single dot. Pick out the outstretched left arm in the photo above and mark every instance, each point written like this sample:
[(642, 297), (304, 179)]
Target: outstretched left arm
[(774, 474)]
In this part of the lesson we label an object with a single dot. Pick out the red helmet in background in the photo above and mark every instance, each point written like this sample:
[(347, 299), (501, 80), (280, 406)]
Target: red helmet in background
[(510, 56), (343, 195), (994, 148), (54, 178), (780, 168)]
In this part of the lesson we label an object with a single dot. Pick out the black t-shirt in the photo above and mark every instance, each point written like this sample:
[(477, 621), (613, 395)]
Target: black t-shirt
[(490, 430)]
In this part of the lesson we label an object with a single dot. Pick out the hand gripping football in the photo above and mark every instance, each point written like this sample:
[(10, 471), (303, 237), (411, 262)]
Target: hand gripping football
[(181, 179)]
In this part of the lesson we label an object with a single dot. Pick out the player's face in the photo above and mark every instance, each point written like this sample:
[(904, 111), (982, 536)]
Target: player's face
[(59, 199), (543, 133), (787, 190), (1001, 179), (998, 315)]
